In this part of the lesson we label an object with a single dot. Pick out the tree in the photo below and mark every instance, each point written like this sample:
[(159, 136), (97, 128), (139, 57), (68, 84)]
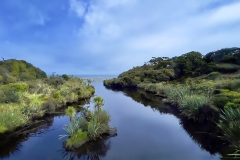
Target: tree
[(187, 64), (65, 77), (160, 62)]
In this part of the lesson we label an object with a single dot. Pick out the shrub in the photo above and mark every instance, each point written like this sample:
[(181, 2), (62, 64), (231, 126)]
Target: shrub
[(49, 106), (226, 67), (103, 117), (11, 97), (220, 100), (231, 105), (65, 77), (234, 85), (3, 128), (18, 87), (213, 75)]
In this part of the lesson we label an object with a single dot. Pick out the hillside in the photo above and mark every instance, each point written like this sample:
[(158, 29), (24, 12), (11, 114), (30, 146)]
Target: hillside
[(191, 64), (12, 70)]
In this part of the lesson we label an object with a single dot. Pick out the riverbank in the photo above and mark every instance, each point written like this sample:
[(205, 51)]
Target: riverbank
[(22, 103), (213, 97)]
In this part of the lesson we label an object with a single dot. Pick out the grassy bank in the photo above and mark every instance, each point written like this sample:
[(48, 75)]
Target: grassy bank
[(24, 101), (204, 88)]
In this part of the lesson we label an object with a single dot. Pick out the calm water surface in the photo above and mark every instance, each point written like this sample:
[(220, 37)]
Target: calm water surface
[(144, 133)]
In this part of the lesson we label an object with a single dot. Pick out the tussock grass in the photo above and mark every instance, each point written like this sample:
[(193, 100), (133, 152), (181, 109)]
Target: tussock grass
[(89, 125), (11, 117), (229, 124), (21, 102)]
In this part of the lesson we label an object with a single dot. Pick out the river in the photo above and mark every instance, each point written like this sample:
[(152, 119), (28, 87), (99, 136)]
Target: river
[(147, 130)]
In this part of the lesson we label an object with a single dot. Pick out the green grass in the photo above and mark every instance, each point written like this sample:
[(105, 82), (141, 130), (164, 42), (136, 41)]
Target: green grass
[(192, 106), (77, 137), (21, 102), (11, 117), (229, 125)]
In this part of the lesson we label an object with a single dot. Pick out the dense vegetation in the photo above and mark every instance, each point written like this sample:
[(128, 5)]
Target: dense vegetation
[(191, 64), (89, 125), (24, 100), (18, 70), (204, 88)]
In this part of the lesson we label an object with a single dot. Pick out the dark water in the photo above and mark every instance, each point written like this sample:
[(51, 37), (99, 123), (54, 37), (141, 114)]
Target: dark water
[(147, 130)]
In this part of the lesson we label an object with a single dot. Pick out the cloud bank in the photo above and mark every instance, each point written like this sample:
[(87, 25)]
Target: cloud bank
[(109, 37)]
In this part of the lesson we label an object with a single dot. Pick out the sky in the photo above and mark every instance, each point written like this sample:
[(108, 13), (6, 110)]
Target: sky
[(107, 37)]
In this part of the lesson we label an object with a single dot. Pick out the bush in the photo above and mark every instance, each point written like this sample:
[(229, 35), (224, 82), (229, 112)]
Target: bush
[(16, 87), (103, 117), (213, 75), (220, 101), (226, 67), (231, 105), (234, 85), (49, 106), (65, 77)]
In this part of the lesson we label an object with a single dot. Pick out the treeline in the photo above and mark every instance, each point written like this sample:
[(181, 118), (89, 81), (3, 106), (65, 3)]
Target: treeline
[(191, 64), (12, 70)]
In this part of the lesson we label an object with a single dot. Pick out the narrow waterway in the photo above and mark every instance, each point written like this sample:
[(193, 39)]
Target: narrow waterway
[(146, 131)]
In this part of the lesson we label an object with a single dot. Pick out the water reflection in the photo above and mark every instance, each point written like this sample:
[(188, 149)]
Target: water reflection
[(92, 150), (203, 134), (11, 144)]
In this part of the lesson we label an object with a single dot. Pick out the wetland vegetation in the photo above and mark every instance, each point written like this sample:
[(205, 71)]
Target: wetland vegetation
[(201, 91), (88, 125), (26, 94), (204, 89)]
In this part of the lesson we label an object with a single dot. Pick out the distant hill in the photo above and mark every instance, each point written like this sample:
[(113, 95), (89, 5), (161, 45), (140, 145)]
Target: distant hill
[(12, 70)]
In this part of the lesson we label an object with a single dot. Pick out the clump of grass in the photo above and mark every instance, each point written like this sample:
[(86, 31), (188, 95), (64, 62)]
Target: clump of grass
[(229, 125), (93, 128), (78, 137), (89, 125), (11, 117), (176, 93), (192, 106)]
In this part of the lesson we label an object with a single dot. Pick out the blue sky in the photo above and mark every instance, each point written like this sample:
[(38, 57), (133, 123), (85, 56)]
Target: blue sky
[(111, 36)]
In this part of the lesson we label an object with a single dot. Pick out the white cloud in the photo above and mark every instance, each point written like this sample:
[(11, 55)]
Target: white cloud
[(78, 7), (131, 32), (225, 15)]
